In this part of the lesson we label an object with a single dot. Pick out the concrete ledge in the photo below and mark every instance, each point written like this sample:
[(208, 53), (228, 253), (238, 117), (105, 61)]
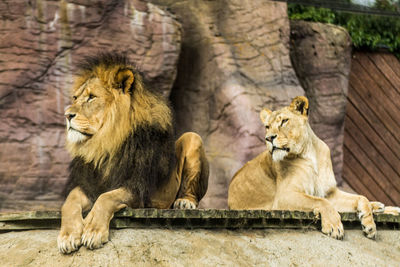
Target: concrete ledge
[(192, 219), (164, 238)]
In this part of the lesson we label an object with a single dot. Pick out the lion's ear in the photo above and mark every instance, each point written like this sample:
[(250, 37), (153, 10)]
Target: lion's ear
[(264, 115), (124, 79), (299, 105)]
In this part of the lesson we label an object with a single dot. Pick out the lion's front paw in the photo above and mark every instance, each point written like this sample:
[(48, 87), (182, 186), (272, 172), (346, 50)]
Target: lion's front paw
[(183, 203), (331, 224), (69, 238), (95, 232)]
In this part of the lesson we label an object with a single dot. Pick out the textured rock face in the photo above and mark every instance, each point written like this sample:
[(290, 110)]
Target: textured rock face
[(234, 61), (40, 43), (321, 56), (172, 247)]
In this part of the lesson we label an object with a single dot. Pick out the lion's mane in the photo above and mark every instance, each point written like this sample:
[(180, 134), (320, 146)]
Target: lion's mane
[(135, 148)]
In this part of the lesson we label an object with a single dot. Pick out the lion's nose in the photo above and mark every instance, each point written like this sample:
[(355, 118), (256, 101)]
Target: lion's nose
[(69, 115), (270, 138)]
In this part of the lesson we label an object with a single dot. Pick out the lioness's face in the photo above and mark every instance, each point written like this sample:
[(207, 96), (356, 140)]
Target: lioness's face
[(286, 129), (85, 116)]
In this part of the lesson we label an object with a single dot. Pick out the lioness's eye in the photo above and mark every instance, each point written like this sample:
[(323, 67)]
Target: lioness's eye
[(284, 121), (266, 126), (74, 97)]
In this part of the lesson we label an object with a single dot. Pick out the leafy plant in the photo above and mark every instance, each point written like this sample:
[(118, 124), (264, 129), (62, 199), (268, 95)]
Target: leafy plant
[(368, 32)]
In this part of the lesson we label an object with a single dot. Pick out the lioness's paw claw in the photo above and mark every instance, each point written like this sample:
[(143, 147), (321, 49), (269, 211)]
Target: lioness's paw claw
[(369, 231), (183, 203), (336, 232)]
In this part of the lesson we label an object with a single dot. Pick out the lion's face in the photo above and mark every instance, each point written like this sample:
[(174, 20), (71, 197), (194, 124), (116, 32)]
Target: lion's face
[(286, 129), (86, 116), (100, 116)]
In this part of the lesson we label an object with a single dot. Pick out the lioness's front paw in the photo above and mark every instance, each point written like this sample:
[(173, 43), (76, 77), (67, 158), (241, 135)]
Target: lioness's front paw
[(331, 224), (95, 233), (333, 230), (368, 224), (183, 203), (69, 238)]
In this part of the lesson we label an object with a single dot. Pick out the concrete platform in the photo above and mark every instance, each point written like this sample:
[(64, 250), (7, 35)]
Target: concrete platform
[(204, 238)]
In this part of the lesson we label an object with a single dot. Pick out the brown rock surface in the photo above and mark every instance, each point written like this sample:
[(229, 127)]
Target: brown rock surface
[(39, 44), (321, 56), (172, 247), (234, 61)]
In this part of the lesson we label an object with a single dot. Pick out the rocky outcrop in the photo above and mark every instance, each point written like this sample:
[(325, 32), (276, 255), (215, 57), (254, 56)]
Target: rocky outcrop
[(234, 61), (321, 56), (40, 43)]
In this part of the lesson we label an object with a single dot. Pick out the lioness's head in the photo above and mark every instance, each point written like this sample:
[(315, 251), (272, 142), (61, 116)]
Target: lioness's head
[(107, 101), (286, 129)]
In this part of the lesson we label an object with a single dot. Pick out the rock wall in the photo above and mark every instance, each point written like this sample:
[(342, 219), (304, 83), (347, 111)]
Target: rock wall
[(220, 65), (321, 56), (234, 61), (40, 43)]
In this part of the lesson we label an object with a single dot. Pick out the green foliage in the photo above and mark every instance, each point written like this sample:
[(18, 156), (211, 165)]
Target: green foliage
[(367, 31)]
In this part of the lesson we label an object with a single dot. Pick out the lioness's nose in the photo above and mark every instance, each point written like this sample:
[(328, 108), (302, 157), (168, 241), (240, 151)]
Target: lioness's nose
[(69, 115), (270, 138)]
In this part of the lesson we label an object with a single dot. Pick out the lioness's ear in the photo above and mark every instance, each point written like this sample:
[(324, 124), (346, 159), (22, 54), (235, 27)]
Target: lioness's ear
[(299, 105), (264, 115), (124, 79)]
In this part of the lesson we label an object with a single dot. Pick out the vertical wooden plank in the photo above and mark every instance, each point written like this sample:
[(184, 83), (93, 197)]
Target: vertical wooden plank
[(372, 127), (373, 121), (365, 178), (386, 70), (381, 81)]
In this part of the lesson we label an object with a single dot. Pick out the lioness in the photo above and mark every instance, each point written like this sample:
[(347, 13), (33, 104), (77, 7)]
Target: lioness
[(295, 173), (120, 135)]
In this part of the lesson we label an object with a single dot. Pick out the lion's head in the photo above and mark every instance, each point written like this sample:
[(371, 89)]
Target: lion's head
[(287, 129), (108, 101)]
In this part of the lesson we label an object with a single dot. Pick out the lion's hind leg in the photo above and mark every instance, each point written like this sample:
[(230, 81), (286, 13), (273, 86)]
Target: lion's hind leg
[(346, 202), (192, 171), (378, 207), (69, 238)]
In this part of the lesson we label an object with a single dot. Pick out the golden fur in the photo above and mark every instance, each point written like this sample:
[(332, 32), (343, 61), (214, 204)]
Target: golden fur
[(120, 135), (117, 117), (295, 173)]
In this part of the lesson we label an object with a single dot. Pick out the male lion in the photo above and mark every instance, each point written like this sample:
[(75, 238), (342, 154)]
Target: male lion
[(120, 135), (295, 173)]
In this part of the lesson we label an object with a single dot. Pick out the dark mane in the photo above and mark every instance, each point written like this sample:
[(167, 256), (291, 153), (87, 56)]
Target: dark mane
[(106, 59), (143, 163), (144, 160)]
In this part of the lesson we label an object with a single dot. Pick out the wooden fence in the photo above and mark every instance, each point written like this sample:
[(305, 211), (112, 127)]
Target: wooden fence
[(372, 127)]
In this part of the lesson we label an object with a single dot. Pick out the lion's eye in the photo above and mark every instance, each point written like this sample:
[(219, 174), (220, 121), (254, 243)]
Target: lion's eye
[(91, 97), (74, 97), (284, 121), (266, 126)]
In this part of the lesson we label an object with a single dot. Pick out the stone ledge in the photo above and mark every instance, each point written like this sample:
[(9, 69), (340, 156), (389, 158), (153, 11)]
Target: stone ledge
[(192, 219)]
